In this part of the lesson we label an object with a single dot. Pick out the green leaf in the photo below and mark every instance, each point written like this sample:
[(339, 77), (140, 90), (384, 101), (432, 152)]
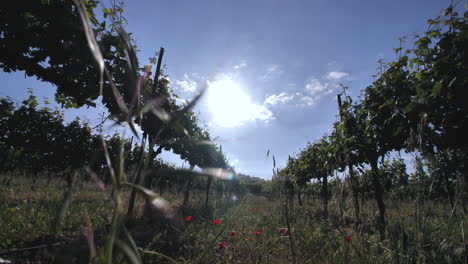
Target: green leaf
[(445, 59), (436, 88), (389, 102), (433, 33), (421, 92)]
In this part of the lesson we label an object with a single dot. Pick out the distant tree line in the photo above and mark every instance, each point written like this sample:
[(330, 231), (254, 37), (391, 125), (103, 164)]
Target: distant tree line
[(37, 142)]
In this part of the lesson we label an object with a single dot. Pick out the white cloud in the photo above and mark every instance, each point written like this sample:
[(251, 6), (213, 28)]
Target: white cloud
[(271, 71), (243, 64), (187, 84), (307, 100), (180, 101), (281, 98), (261, 112), (314, 91), (336, 75), (316, 88)]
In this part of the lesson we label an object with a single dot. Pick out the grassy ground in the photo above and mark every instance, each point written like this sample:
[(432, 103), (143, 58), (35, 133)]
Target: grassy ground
[(411, 237), (250, 230)]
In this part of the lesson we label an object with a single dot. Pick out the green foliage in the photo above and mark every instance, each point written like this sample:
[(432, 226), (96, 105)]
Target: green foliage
[(44, 39), (415, 104)]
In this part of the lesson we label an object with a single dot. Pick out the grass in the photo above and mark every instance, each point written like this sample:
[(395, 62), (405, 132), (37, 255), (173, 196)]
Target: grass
[(413, 236), (28, 209)]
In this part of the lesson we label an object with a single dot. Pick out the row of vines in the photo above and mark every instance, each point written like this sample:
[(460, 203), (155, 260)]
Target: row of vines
[(416, 104)]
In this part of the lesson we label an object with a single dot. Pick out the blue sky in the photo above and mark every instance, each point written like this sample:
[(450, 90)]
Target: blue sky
[(271, 66)]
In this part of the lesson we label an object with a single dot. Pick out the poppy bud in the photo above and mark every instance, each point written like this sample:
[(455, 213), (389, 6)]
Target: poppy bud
[(222, 246)]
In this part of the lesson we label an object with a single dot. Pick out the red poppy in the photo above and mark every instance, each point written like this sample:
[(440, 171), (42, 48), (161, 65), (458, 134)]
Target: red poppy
[(349, 238), (188, 218), (257, 232), (284, 231), (217, 222), (233, 233), (236, 224), (222, 246)]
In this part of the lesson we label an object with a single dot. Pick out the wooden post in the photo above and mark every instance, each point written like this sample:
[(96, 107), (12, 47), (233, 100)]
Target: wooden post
[(136, 179), (146, 136), (158, 70), (338, 96), (354, 182), (188, 187)]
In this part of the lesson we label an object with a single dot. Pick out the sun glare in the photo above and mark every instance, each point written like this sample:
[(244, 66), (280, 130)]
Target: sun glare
[(228, 103)]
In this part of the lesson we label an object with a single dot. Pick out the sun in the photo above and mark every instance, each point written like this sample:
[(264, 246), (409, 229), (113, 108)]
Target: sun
[(228, 104)]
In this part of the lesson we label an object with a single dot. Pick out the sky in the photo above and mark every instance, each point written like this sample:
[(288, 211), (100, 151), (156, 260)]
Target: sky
[(272, 68)]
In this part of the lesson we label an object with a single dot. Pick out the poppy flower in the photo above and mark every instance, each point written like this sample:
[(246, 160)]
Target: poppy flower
[(217, 222), (188, 218), (284, 231), (236, 224), (257, 232), (349, 238), (222, 246), (233, 233)]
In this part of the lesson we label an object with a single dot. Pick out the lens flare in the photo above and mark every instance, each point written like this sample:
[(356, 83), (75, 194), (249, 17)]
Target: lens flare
[(222, 174)]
